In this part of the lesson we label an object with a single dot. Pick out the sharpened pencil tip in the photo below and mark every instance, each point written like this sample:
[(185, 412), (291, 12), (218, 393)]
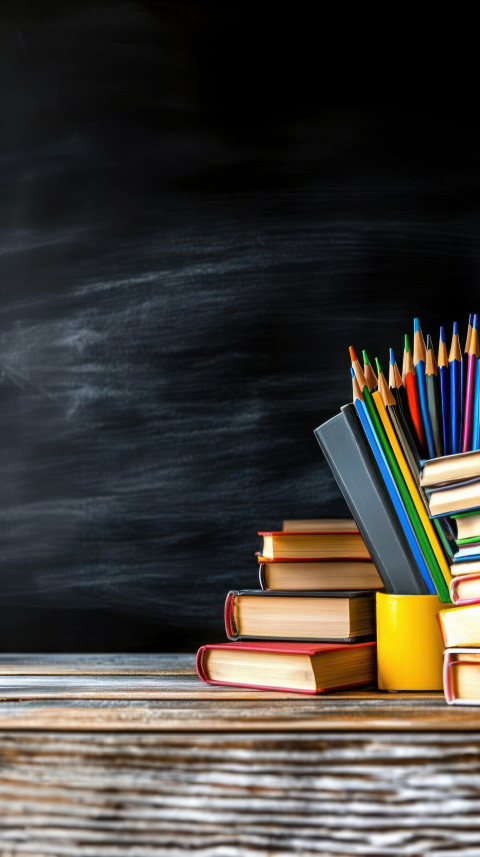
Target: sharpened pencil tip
[(475, 321), (351, 351), (416, 326), (407, 343), (377, 363), (455, 328), (429, 342), (392, 357), (442, 334), (365, 357)]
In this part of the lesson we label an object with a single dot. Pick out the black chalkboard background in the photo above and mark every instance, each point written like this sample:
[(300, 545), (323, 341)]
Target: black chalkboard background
[(195, 225)]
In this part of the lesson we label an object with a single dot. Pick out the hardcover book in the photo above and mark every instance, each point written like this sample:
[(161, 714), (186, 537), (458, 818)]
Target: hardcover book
[(450, 468), (297, 667), (318, 574), (360, 481), (330, 525), (325, 616), (465, 589), (461, 676), (460, 626), (459, 497), (310, 545)]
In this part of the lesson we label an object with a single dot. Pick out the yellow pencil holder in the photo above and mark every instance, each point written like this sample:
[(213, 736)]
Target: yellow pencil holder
[(409, 643)]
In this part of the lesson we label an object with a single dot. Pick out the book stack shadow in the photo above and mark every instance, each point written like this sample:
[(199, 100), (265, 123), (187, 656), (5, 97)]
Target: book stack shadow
[(310, 628)]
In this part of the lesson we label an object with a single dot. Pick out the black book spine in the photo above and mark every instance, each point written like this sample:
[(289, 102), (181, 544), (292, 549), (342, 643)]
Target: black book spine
[(359, 479)]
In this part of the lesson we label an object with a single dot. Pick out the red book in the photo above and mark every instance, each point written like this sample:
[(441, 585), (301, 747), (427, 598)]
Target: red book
[(295, 667), (465, 589)]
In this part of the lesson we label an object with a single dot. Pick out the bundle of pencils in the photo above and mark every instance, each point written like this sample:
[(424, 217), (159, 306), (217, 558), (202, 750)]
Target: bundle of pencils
[(436, 399)]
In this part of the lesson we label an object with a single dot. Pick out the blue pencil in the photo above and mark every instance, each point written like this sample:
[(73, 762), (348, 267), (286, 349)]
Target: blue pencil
[(444, 390), (419, 358), (455, 374)]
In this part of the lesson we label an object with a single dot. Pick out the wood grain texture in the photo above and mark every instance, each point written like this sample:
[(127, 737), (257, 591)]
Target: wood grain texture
[(234, 795), (173, 698), (226, 772)]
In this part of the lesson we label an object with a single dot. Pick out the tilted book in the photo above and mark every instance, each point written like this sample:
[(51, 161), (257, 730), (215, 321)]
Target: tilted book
[(359, 479)]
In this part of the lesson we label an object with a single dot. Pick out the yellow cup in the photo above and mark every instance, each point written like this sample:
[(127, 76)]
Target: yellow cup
[(409, 643)]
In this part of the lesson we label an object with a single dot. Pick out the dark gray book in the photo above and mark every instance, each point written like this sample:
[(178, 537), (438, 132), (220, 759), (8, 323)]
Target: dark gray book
[(354, 467), (328, 616)]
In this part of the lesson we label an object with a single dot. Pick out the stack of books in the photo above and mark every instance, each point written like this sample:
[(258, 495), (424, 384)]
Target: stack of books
[(311, 627), (452, 488), (406, 456)]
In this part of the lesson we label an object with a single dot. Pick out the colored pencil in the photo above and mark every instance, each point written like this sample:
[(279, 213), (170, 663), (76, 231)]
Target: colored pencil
[(468, 337), (370, 377), (464, 371), (419, 359), (399, 423), (409, 380), (470, 387), (439, 568), (444, 391), (455, 375), (395, 382), (378, 425), (431, 381), (476, 410), (392, 488)]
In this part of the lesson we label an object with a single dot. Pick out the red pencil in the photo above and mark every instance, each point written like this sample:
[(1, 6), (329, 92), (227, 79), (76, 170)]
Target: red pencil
[(408, 373)]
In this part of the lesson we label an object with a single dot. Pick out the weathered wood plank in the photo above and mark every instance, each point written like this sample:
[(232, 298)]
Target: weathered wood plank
[(234, 795), (171, 697), (88, 664), (216, 715)]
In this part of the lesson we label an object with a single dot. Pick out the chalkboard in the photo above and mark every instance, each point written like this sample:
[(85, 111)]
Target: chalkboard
[(193, 232)]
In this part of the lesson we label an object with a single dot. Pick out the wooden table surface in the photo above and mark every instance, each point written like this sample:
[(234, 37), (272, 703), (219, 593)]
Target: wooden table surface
[(188, 768)]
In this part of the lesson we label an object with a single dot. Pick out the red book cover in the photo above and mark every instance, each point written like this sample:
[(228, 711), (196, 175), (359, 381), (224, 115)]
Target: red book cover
[(454, 583), (282, 648)]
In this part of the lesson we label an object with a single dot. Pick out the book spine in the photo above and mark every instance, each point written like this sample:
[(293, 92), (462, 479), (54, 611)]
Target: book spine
[(261, 575), (230, 627), (200, 663), (455, 583), (356, 472), (447, 678)]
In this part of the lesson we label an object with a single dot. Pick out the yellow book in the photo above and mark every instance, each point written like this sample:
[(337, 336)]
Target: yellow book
[(412, 488), (460, 626)]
